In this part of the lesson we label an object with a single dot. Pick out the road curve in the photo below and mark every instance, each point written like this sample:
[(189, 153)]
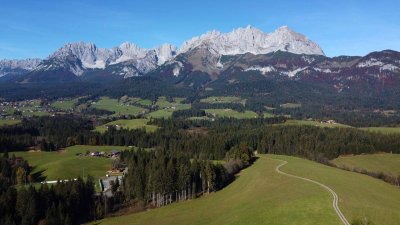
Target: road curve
[(335, 196)]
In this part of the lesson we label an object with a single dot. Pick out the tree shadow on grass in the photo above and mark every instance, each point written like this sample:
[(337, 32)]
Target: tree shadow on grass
[(38, 176)]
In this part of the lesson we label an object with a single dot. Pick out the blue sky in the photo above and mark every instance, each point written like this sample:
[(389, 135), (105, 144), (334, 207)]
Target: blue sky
[(34, 28)]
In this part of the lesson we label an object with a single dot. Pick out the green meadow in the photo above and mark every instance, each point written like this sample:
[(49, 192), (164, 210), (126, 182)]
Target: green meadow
[(65, 104), (9, 122), (260, 195), (384, 130), (382, 162), (129, 124), (313, 123), (223, 99), (66, 164), (119, 108), (232, 113)]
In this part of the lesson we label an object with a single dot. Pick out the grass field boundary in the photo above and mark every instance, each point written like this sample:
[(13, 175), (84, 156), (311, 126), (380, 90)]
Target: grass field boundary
[(335, 196)]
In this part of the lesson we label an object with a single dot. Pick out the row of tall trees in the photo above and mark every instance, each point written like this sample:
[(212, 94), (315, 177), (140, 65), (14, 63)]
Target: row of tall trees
[(215, 140), (161, 177), (14, 170), (64, 203)]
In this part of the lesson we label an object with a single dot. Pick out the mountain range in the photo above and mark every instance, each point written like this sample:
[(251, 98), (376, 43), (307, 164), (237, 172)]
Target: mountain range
[(202, 60)]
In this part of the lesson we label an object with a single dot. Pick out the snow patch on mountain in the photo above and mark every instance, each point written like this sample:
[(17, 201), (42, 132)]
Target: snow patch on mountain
[(389, 67), (292, 73), (263, 70), (322, 70), (369, 63), (177, 69)]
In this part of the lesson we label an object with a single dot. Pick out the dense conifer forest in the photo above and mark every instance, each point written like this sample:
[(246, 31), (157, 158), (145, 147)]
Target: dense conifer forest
[(180, 161)]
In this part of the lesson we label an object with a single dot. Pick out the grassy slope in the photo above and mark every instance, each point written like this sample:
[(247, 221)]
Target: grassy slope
[(290, 105), (258, 196), (360, 196), (261, 196), (9, 122), (313, 123), (223, 99), (65, 105), (232, 113), (64, 165), (388, 163), (118, 107), (384, 130), (166, 109), (129, 124)]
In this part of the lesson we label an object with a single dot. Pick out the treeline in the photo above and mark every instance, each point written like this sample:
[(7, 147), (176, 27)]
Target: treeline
[(64, 203), (187, 113), (387, 177), (235, 106), (14, 170), (160, 177), (47, 132), (311, 142), (213, 141), (352, 117), (175, 135)]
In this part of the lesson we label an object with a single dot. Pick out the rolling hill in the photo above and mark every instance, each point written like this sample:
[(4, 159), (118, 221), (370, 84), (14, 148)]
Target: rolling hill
[(260, 195)]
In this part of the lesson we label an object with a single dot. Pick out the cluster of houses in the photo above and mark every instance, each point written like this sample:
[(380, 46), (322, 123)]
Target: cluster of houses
[(26, 108), (112, 154), (328, 122)]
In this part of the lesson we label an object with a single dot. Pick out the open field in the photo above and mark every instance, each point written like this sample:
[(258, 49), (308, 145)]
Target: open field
[(384, 130), (313, 123), (232, 113), (360, 196), (9, 122), (144, 102), (262, 196), (268, 115), (258, 196), (129, 124), (199, 118), (65, 164), (166, 108), (26, 111), (175, 105), (161, 113), (290, 105), (119, 108), (383, 162), (65, 105), (224, 99)]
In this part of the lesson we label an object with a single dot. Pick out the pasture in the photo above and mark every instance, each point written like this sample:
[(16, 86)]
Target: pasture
[(382, 162), (314, 123), (65, 104), (232, 113), (118, 107), (7, 122), (260, 195), (383, 130), (223, 99), (129, 124), (66, 164)]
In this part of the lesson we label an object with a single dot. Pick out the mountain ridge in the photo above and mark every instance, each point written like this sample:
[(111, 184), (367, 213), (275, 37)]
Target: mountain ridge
[(82, 56)]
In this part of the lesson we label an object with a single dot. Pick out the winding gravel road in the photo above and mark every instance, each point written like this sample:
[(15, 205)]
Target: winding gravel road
[(335, 196)]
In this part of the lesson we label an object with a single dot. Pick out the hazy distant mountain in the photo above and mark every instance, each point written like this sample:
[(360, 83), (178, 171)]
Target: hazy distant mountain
[(17, 67)]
